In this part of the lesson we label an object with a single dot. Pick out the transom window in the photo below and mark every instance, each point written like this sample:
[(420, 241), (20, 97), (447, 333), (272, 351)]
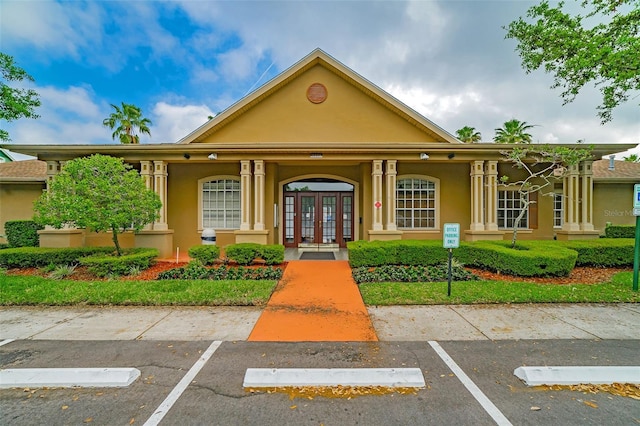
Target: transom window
[(415, 203), (509, 207), (221, 204)]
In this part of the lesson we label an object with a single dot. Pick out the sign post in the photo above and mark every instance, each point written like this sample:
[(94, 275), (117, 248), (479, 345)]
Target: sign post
[(450, 240), (636, 252)]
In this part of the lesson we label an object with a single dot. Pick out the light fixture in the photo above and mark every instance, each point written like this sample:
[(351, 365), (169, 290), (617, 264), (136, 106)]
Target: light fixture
[(212, 156), (424, 156), (186, 156), (316, 155), (450, 156)]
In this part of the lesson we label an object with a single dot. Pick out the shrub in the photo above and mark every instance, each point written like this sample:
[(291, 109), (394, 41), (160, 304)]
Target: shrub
[(207, 254), (404, 252), (620, 231), (272, 254), (62, 271), (243, 253), (104, 266), (4, 246), (37, 257), (528, 259), (22, 233), (412, 273), (371, 253), (197, 271), (605, 252)]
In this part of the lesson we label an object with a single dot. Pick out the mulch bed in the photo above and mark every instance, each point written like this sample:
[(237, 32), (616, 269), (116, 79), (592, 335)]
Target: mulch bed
[(579, 275)]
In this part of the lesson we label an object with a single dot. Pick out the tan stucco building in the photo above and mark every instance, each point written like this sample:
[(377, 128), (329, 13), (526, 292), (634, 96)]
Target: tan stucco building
[(320, 156)]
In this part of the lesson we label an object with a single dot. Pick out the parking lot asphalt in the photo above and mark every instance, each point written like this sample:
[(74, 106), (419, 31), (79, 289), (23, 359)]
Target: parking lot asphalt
[(391, 323), (486, 343)]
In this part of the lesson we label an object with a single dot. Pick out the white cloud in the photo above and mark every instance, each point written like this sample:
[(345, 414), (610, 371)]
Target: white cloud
[(173, 122)]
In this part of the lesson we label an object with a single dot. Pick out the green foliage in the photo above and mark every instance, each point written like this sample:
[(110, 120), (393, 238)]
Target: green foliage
[(108, 266), (37, 257), (207, 254), (404, 252), (22, 233), (15, 103), (528, 259), (468, 135), (245, 253), (4, 246), (513, 131), (62, 271), (411, 274), (100, 193), (603, 252), (197, 271), (599, 47), (126, 121), (620, 231)]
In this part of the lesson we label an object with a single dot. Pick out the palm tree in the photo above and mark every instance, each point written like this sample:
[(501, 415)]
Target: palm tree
[(468, 135), (126, 121), (513, 131)]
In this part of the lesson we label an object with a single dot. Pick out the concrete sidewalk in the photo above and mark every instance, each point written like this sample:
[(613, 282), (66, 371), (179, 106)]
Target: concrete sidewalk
[(392, 323)]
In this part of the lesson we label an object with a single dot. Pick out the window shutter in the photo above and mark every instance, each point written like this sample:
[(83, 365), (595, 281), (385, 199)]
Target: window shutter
[(533, 211)]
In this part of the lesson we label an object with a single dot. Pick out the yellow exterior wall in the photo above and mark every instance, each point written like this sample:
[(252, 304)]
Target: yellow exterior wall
[(613, 202), (347, 114), (16, 202)]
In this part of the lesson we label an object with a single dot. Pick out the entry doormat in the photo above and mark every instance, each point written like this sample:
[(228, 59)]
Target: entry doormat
[(317, 255)]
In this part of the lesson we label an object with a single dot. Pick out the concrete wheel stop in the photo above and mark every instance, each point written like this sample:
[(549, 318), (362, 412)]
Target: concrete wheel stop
[(548, 375), (68, 377), (289, 377)]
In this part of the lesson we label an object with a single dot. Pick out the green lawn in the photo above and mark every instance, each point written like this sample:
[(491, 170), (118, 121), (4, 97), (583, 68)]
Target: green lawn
[(31, 290), (468, 292)]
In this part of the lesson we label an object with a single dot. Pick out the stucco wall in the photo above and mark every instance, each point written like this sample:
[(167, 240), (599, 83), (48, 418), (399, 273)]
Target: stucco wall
[(613, 202), (16, 202)]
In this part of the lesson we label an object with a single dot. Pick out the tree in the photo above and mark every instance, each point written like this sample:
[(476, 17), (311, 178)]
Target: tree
[(633, 158), (513, 131), (15, 103), (126, 121), (100, 193), (543, 166), (600, 48), (468, 135)]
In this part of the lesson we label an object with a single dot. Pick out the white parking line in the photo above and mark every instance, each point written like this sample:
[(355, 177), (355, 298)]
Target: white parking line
[(4, 342), (485, 402), (171, 399)]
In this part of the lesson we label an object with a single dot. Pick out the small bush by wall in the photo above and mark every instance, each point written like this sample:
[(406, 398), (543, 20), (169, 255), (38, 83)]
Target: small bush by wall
[(22, 233), (603, 252), (404, 252), (272, 254), (245, 253), (620, 231), (37, 257), (133, 259), (207, 254)]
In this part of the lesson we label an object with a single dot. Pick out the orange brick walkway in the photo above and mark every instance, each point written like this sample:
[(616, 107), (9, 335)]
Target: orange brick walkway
[(315, 301)]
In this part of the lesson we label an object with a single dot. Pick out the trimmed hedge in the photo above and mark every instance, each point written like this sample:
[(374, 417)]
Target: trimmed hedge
[(402, 252), (245, 253), (197, 271), (620, 231), (207, 254), (528, 259), (36, 257), (604, 252), (22, 233), (104, 266)]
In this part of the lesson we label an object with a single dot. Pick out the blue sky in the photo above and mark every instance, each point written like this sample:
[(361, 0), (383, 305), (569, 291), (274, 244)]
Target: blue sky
[(181, 61)]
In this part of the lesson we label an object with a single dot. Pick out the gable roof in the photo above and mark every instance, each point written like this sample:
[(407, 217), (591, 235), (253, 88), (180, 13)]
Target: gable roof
[(622, 171), (23, 171), (319, 57)]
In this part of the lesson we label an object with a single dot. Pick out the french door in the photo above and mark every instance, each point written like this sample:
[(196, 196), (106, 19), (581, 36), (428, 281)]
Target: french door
[(318, 218)]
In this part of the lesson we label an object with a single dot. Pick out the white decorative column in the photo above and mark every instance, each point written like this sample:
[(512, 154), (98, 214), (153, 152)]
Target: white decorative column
[(160, 186), (477, 196), (245, 194), (390, 200), (491, 195), (147, 176), (376, 188), (586, 176), (258, 200), (571, 193)]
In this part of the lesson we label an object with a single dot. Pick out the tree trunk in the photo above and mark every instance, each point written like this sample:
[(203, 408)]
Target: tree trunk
[(114, 233), (516, 223)]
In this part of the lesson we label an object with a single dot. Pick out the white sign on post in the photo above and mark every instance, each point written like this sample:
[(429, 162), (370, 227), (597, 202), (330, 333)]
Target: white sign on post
[(451, 235), (636, 199)]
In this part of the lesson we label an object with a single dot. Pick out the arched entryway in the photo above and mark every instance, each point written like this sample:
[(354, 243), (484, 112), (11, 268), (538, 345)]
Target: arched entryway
[(318, 212)]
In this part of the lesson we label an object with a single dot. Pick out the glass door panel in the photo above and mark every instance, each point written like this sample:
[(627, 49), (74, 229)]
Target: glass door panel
[(289, 219), (308, 222), (328, 219), (347, 218)]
